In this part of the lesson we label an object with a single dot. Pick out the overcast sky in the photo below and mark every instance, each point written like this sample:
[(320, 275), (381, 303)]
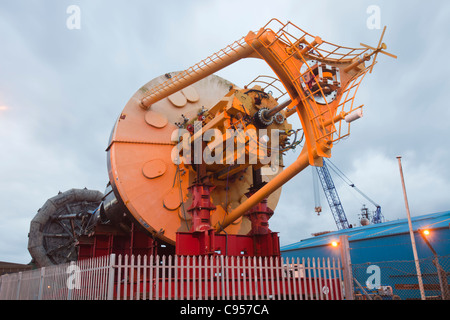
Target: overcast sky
[(61, 90)]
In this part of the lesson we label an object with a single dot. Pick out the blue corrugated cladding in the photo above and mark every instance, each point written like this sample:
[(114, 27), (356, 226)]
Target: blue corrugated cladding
[(389, 241)]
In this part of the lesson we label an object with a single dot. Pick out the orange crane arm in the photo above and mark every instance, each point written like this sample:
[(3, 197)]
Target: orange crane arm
[(321, 79)]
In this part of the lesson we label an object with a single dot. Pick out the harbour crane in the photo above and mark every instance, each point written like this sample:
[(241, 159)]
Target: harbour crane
[(332, 197), (334, 201)]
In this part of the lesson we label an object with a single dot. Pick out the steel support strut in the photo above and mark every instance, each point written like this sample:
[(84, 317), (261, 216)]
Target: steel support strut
[(260, 213)]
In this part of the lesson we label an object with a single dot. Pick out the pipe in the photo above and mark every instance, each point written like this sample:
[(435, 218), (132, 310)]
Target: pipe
[(278, 108), (287, 174)]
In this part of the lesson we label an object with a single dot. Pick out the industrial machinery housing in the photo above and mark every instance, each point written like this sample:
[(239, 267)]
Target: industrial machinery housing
[(195, 162)]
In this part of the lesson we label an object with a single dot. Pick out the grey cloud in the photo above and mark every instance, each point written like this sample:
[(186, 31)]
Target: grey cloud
[(65, 88)]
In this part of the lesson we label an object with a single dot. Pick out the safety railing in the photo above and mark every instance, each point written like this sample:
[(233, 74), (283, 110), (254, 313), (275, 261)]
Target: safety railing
[(322, 115), (291, 33), (158, 91), (270, 85)]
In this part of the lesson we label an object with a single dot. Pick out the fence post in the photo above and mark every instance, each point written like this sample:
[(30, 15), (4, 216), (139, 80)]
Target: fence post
[(442, 276), (347, 267), (112, 262), (41, 283), (19, 282), (70, 286)]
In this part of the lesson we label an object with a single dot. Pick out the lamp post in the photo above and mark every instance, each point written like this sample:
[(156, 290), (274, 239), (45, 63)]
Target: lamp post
[(411, 232), (344, 249), (442, 275)]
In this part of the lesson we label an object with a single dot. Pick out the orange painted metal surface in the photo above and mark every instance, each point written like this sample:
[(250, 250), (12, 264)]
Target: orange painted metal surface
[(321, 80)]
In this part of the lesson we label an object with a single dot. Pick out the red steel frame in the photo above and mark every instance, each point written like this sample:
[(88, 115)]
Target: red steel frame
[(108, 240), (201, 240)]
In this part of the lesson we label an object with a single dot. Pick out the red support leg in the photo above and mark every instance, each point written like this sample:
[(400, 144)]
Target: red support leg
[(200, 238), (259, 216), (265, 242), (201, 207)]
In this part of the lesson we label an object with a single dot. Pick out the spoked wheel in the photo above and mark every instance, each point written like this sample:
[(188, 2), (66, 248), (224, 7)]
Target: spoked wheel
[(55, 230)]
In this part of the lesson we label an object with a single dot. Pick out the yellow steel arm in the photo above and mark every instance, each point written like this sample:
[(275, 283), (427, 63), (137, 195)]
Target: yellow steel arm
[(321, 79)]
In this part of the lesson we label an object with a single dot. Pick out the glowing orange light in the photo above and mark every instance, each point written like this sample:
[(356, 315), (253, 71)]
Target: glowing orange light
[(334, 244), (426, 232)]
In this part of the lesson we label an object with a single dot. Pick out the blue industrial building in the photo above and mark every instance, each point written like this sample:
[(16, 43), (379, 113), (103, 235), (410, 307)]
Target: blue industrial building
[(388, 241), (377, 244)]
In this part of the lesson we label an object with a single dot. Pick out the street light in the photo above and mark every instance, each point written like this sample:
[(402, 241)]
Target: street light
[(424, 233), (344, 250), (411, 233), (442, 275)]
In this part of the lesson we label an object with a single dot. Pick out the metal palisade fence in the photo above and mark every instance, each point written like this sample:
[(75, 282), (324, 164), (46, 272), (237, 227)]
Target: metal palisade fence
[(179, 278), (83, 280)]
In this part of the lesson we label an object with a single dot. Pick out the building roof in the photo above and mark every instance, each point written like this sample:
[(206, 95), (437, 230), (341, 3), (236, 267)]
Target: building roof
[(430, 221), (9, 267)]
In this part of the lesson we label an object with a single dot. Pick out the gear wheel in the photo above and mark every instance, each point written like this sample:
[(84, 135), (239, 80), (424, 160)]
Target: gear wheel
[(260, 120), (279, 118)]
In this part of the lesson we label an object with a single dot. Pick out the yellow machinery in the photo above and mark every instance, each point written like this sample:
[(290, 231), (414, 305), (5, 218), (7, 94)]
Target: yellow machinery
[(194, 159)]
